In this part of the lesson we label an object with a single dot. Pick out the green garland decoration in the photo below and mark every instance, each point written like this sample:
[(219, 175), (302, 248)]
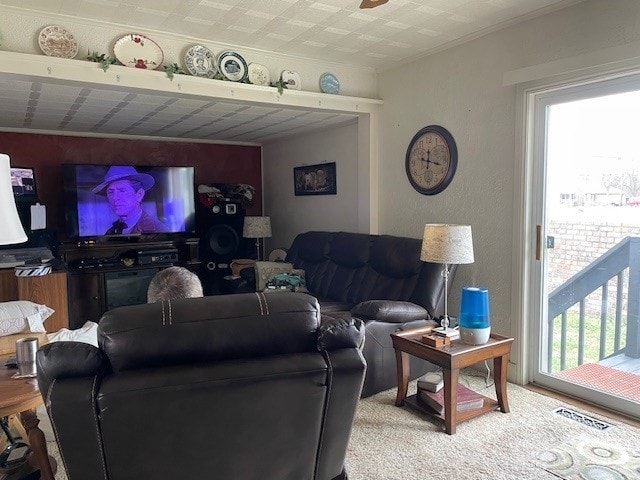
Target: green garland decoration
[(280, 85), (105, 61), (172, 70)]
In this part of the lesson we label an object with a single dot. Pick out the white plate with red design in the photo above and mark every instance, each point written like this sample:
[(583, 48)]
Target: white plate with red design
[(138, 51), (291, 79)]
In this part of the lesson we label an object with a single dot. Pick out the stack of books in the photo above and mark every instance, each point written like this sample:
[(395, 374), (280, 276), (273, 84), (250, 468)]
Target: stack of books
[(467, 399), (431, 381)]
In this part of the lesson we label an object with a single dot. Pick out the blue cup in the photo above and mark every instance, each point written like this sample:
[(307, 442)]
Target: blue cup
[(474, 317)]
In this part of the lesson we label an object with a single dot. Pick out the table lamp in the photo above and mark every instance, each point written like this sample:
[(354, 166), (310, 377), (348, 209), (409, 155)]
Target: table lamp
[(11, 231), (474, 316), (256, 227), (446, 244)]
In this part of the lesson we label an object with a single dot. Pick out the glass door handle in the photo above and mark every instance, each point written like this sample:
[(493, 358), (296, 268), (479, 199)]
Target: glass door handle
[(551, 241)]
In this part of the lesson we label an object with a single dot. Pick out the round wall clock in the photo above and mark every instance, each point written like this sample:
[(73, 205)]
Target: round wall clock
[(431, 160)]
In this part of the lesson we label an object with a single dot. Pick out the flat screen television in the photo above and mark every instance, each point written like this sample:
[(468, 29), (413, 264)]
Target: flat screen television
[(126, 200)]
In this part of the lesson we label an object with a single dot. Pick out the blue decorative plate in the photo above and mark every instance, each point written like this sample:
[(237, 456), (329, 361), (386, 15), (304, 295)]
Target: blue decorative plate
[(329, 83), (232, 66)]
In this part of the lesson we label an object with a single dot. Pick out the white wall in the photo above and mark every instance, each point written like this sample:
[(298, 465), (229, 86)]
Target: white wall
[(291, 215), (462, 90), (20, 29)]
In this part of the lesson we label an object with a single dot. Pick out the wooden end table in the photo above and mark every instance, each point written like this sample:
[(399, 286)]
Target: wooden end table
[(451, 358), (22, 396)]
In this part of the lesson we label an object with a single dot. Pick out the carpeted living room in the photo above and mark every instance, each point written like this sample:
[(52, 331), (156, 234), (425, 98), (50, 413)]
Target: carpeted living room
[(415, 260), (532, 442)]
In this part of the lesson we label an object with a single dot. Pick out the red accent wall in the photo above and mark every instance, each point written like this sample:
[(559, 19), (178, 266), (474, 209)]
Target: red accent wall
[(214, 163)]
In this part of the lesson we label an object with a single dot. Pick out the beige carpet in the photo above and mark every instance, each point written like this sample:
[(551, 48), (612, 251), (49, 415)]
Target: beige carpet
[(391, 443)]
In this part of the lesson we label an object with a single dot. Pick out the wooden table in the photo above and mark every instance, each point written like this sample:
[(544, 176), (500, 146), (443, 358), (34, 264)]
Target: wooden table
[(451, 358), (22, 396)]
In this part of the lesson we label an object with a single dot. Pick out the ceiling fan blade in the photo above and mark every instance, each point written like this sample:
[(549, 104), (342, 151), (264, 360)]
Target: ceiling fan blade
[(372, 3)]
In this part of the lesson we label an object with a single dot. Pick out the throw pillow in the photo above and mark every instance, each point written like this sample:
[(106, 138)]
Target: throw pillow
[(23, 316), (390, 311)]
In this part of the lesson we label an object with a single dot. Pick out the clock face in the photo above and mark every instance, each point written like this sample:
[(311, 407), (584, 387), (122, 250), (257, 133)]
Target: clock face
[(431, 160)]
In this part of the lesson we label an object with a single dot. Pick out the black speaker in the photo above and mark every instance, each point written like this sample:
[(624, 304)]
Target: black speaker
[(220, 230)]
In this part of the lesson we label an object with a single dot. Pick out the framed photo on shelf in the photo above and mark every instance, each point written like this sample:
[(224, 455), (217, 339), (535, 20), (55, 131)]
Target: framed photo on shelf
[(317, 179)]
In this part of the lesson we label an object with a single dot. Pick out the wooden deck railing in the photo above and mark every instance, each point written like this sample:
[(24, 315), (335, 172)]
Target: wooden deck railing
[(597, 275)]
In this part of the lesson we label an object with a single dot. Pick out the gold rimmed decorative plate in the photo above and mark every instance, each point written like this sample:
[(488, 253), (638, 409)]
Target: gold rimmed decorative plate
[(138, 51), (57, 41)]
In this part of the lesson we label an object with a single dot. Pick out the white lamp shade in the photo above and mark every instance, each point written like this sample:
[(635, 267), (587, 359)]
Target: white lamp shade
[(256, 227), (11, 231), (451, 244)]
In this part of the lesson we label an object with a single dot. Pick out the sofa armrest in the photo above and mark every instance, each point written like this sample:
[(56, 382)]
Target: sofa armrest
[(391, 311), (336, 333), (60, 360)]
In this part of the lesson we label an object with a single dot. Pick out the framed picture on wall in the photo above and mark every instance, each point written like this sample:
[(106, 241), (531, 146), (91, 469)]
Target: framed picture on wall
[(317, 179)]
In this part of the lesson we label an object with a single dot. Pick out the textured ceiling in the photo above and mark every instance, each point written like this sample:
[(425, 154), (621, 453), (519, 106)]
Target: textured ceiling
[(77, 108), (327, 30)]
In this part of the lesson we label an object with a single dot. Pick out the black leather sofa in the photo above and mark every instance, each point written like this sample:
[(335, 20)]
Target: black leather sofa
[(246, 387), (378, 278)]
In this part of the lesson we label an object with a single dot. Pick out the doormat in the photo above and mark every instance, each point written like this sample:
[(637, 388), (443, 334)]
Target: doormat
[(590, 459), (605, 379)]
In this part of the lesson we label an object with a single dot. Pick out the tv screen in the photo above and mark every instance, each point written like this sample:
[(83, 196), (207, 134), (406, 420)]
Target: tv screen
[(126, 200), (23, 182)]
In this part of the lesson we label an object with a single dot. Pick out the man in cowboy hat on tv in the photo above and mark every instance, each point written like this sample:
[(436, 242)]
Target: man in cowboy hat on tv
[(124, 188)]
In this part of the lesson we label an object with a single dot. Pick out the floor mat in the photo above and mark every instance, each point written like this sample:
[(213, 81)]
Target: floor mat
[(590, 459), (606, 379)]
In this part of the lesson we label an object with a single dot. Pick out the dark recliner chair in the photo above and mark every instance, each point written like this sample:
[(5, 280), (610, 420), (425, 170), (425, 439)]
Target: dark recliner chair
[(243, 387)]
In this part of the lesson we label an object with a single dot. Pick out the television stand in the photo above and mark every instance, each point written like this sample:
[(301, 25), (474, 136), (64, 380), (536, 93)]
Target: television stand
[(93, 291), (124, 239)]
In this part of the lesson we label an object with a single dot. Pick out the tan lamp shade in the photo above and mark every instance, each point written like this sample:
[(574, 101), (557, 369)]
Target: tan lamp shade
[(11, 231), (256, 227), (450, 244)]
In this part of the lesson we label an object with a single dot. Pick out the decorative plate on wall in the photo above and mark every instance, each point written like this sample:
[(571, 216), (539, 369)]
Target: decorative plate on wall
[(232, 66), (201, 62), (259, 74), (292, 79), (329, 83), (56, 41), (137, 51)]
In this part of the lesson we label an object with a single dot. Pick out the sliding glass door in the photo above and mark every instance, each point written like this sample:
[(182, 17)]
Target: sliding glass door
[(586, 163)]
